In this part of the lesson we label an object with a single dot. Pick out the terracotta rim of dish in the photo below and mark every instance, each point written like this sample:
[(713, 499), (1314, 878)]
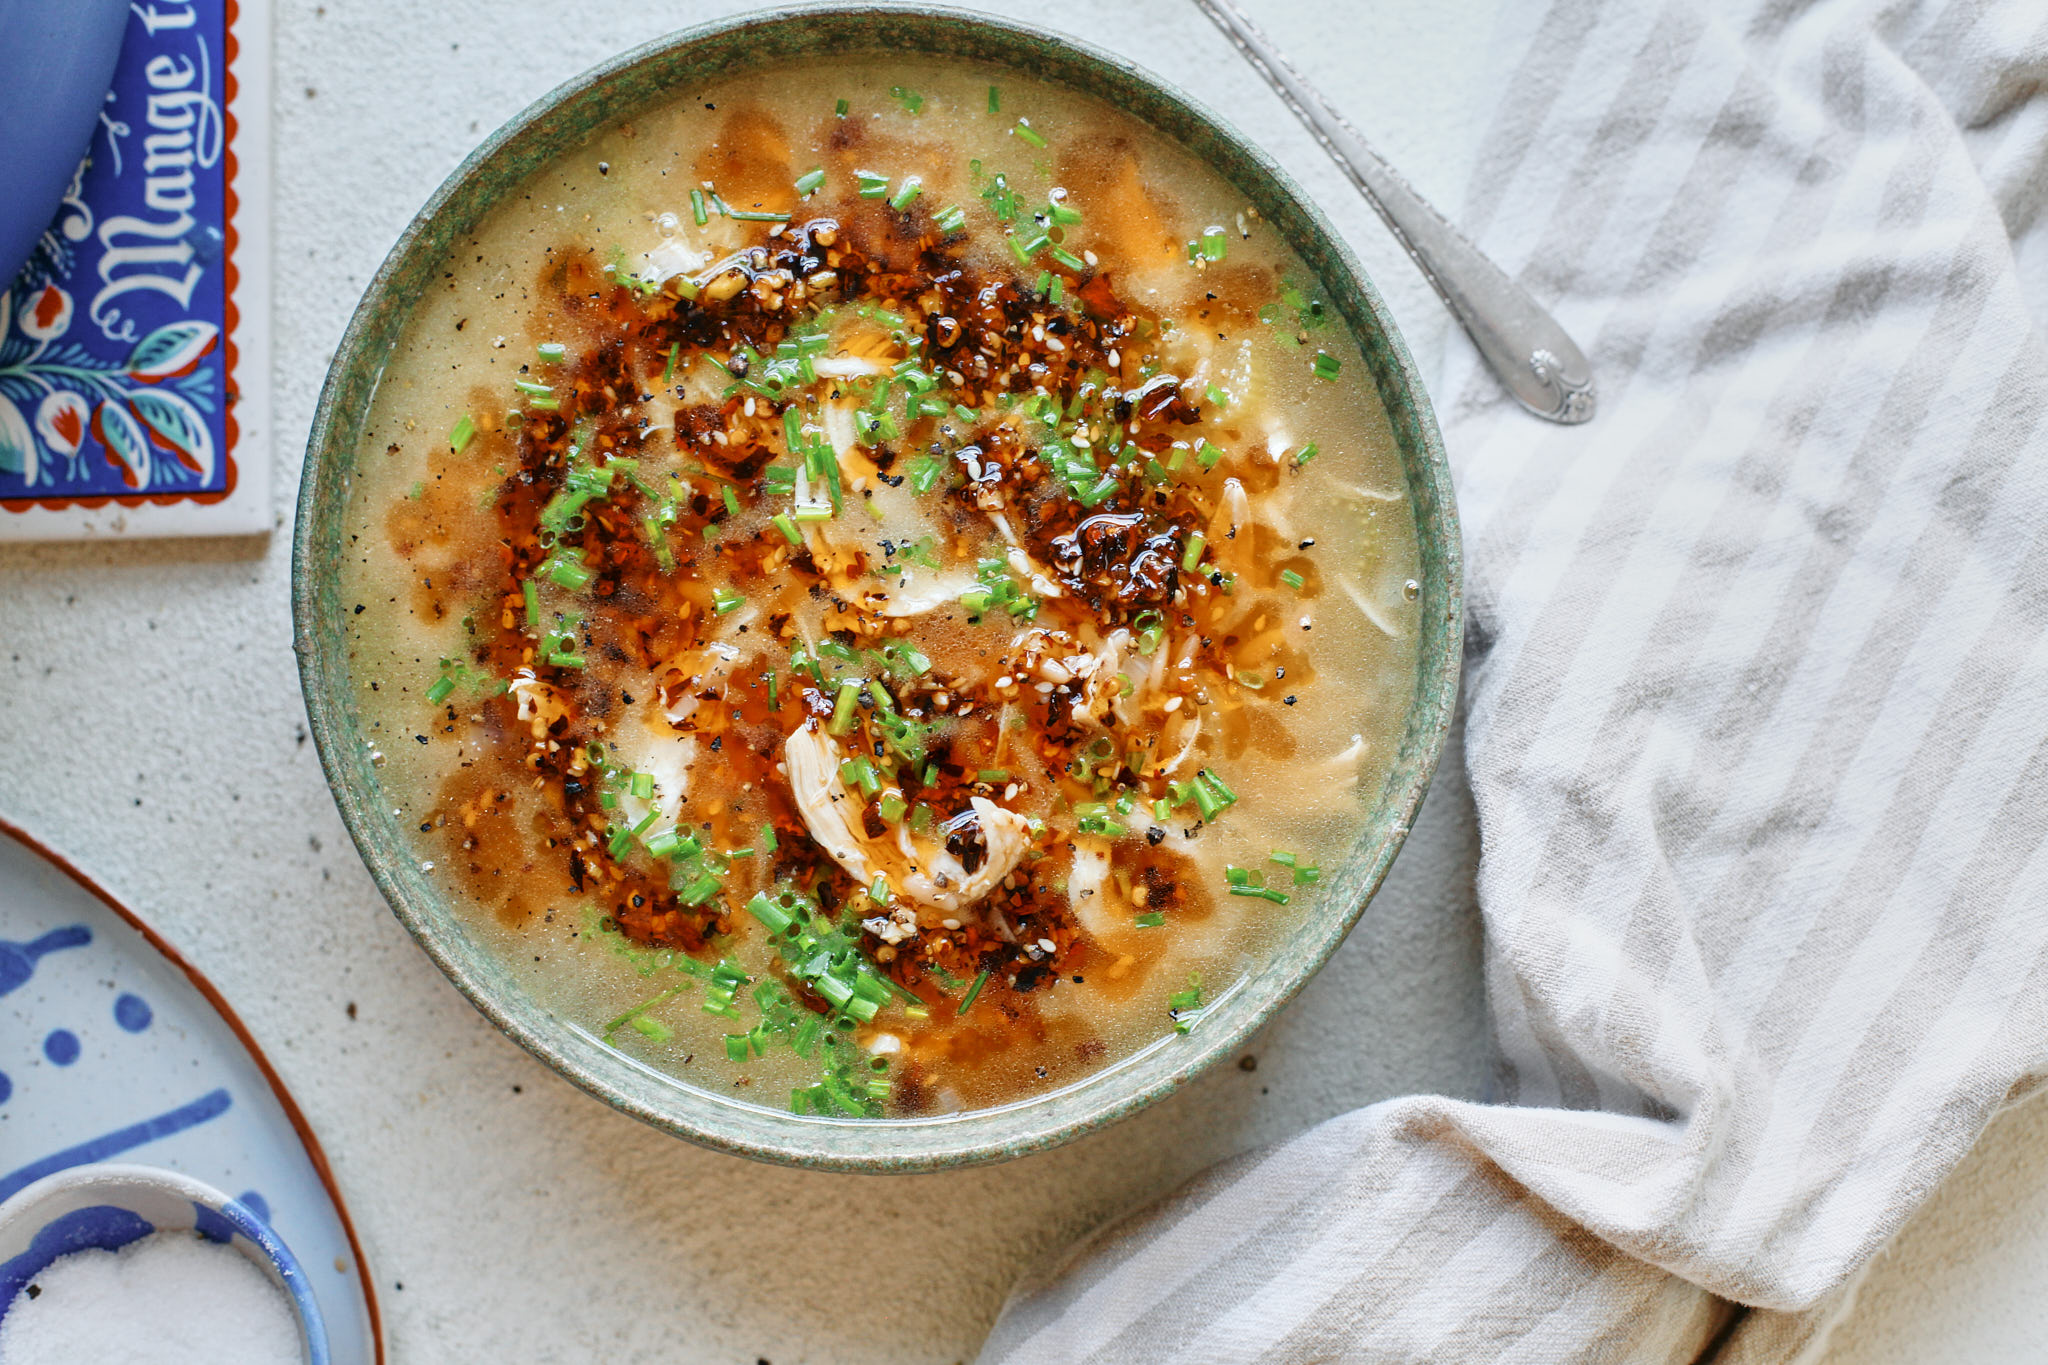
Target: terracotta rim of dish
[(644, 77)]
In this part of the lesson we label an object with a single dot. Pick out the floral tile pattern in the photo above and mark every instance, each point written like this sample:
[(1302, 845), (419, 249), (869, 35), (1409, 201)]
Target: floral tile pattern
[(121, 340)]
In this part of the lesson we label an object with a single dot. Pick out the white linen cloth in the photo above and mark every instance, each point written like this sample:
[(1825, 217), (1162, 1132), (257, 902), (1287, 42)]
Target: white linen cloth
[(1757, 698)]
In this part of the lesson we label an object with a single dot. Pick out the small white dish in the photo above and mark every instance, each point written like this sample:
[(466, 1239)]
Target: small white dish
[(110, 1204), (114, 1048)]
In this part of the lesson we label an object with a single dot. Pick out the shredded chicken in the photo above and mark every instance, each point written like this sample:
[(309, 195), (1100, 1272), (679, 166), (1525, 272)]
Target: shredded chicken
[(1365, 606), (540, 705), (919, 593), (700, 671), (1087, 886), (1230, 530), (919, 869), (848, 367), (1058, 658), (1363, 494), (1185, 728), (1021, 562)]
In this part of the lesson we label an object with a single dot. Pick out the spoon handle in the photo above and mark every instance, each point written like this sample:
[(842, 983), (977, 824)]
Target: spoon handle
[(1540, 365)]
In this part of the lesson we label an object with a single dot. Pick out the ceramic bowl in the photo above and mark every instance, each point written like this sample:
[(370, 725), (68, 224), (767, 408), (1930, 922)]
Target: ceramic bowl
[(615, 91), (110, 1205)]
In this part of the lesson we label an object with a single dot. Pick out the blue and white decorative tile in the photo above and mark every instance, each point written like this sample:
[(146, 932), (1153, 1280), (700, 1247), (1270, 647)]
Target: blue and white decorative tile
[(111, 1048), (135, 341)]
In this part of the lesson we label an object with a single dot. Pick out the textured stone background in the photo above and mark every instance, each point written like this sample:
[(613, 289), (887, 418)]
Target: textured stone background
[(150, 727)]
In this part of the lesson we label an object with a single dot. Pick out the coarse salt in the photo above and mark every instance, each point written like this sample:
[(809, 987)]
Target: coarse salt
[(171, 1298)]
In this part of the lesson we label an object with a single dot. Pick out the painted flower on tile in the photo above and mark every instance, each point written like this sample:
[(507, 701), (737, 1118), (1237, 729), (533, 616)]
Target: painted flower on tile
[(62, 420), (17, 446), (148, 409), (127, 448), (46, 313), (172, 350)]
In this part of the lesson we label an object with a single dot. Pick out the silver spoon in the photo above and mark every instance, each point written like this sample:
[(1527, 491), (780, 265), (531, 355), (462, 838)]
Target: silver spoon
[(1540, 365)]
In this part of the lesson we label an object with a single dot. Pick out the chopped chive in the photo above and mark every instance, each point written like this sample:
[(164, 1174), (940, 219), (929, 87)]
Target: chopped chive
[(566, 572), (668, 375), (1307, 453), (973, 992), (1028, 133), (1064, 213), (1151, 920), (911, 101), (545, 404), (768, 841), (1216, 396), (879, 891), (750, 216), (783, 524), (1193, 554), (438, 693), (459, 437), (813, 511), (992, 775), (1101, 489), (773, 915), (725, 601), (1207, 455), (1291, 579), (641, 785), (732, 501), (1307, 876), (531, 591), (1068, 259), (807, 184), (843, 708), (697, 209), (1282, 857), (951, 219), (902, 198), (839, 108), (1055, 291), (1263, 893), (700, 890), (892, 807), (1215, 243), (859, 771), (995, 100), (1326, 366), (871, 186), (551, 352), (531, 389)]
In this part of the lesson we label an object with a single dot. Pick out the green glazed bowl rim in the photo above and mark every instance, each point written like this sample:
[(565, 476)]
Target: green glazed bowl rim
[(615, 90)]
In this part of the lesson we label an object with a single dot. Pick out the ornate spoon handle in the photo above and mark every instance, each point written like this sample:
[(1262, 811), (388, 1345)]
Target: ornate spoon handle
[(1540, 365)]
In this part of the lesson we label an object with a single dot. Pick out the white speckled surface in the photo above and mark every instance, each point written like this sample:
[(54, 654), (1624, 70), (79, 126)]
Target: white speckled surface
[(152, 730)]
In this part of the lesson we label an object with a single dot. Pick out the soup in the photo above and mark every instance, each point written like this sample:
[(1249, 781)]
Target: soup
[(880, 587)]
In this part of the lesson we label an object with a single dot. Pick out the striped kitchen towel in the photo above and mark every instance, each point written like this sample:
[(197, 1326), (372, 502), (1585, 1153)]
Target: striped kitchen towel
[(1757, 722)]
